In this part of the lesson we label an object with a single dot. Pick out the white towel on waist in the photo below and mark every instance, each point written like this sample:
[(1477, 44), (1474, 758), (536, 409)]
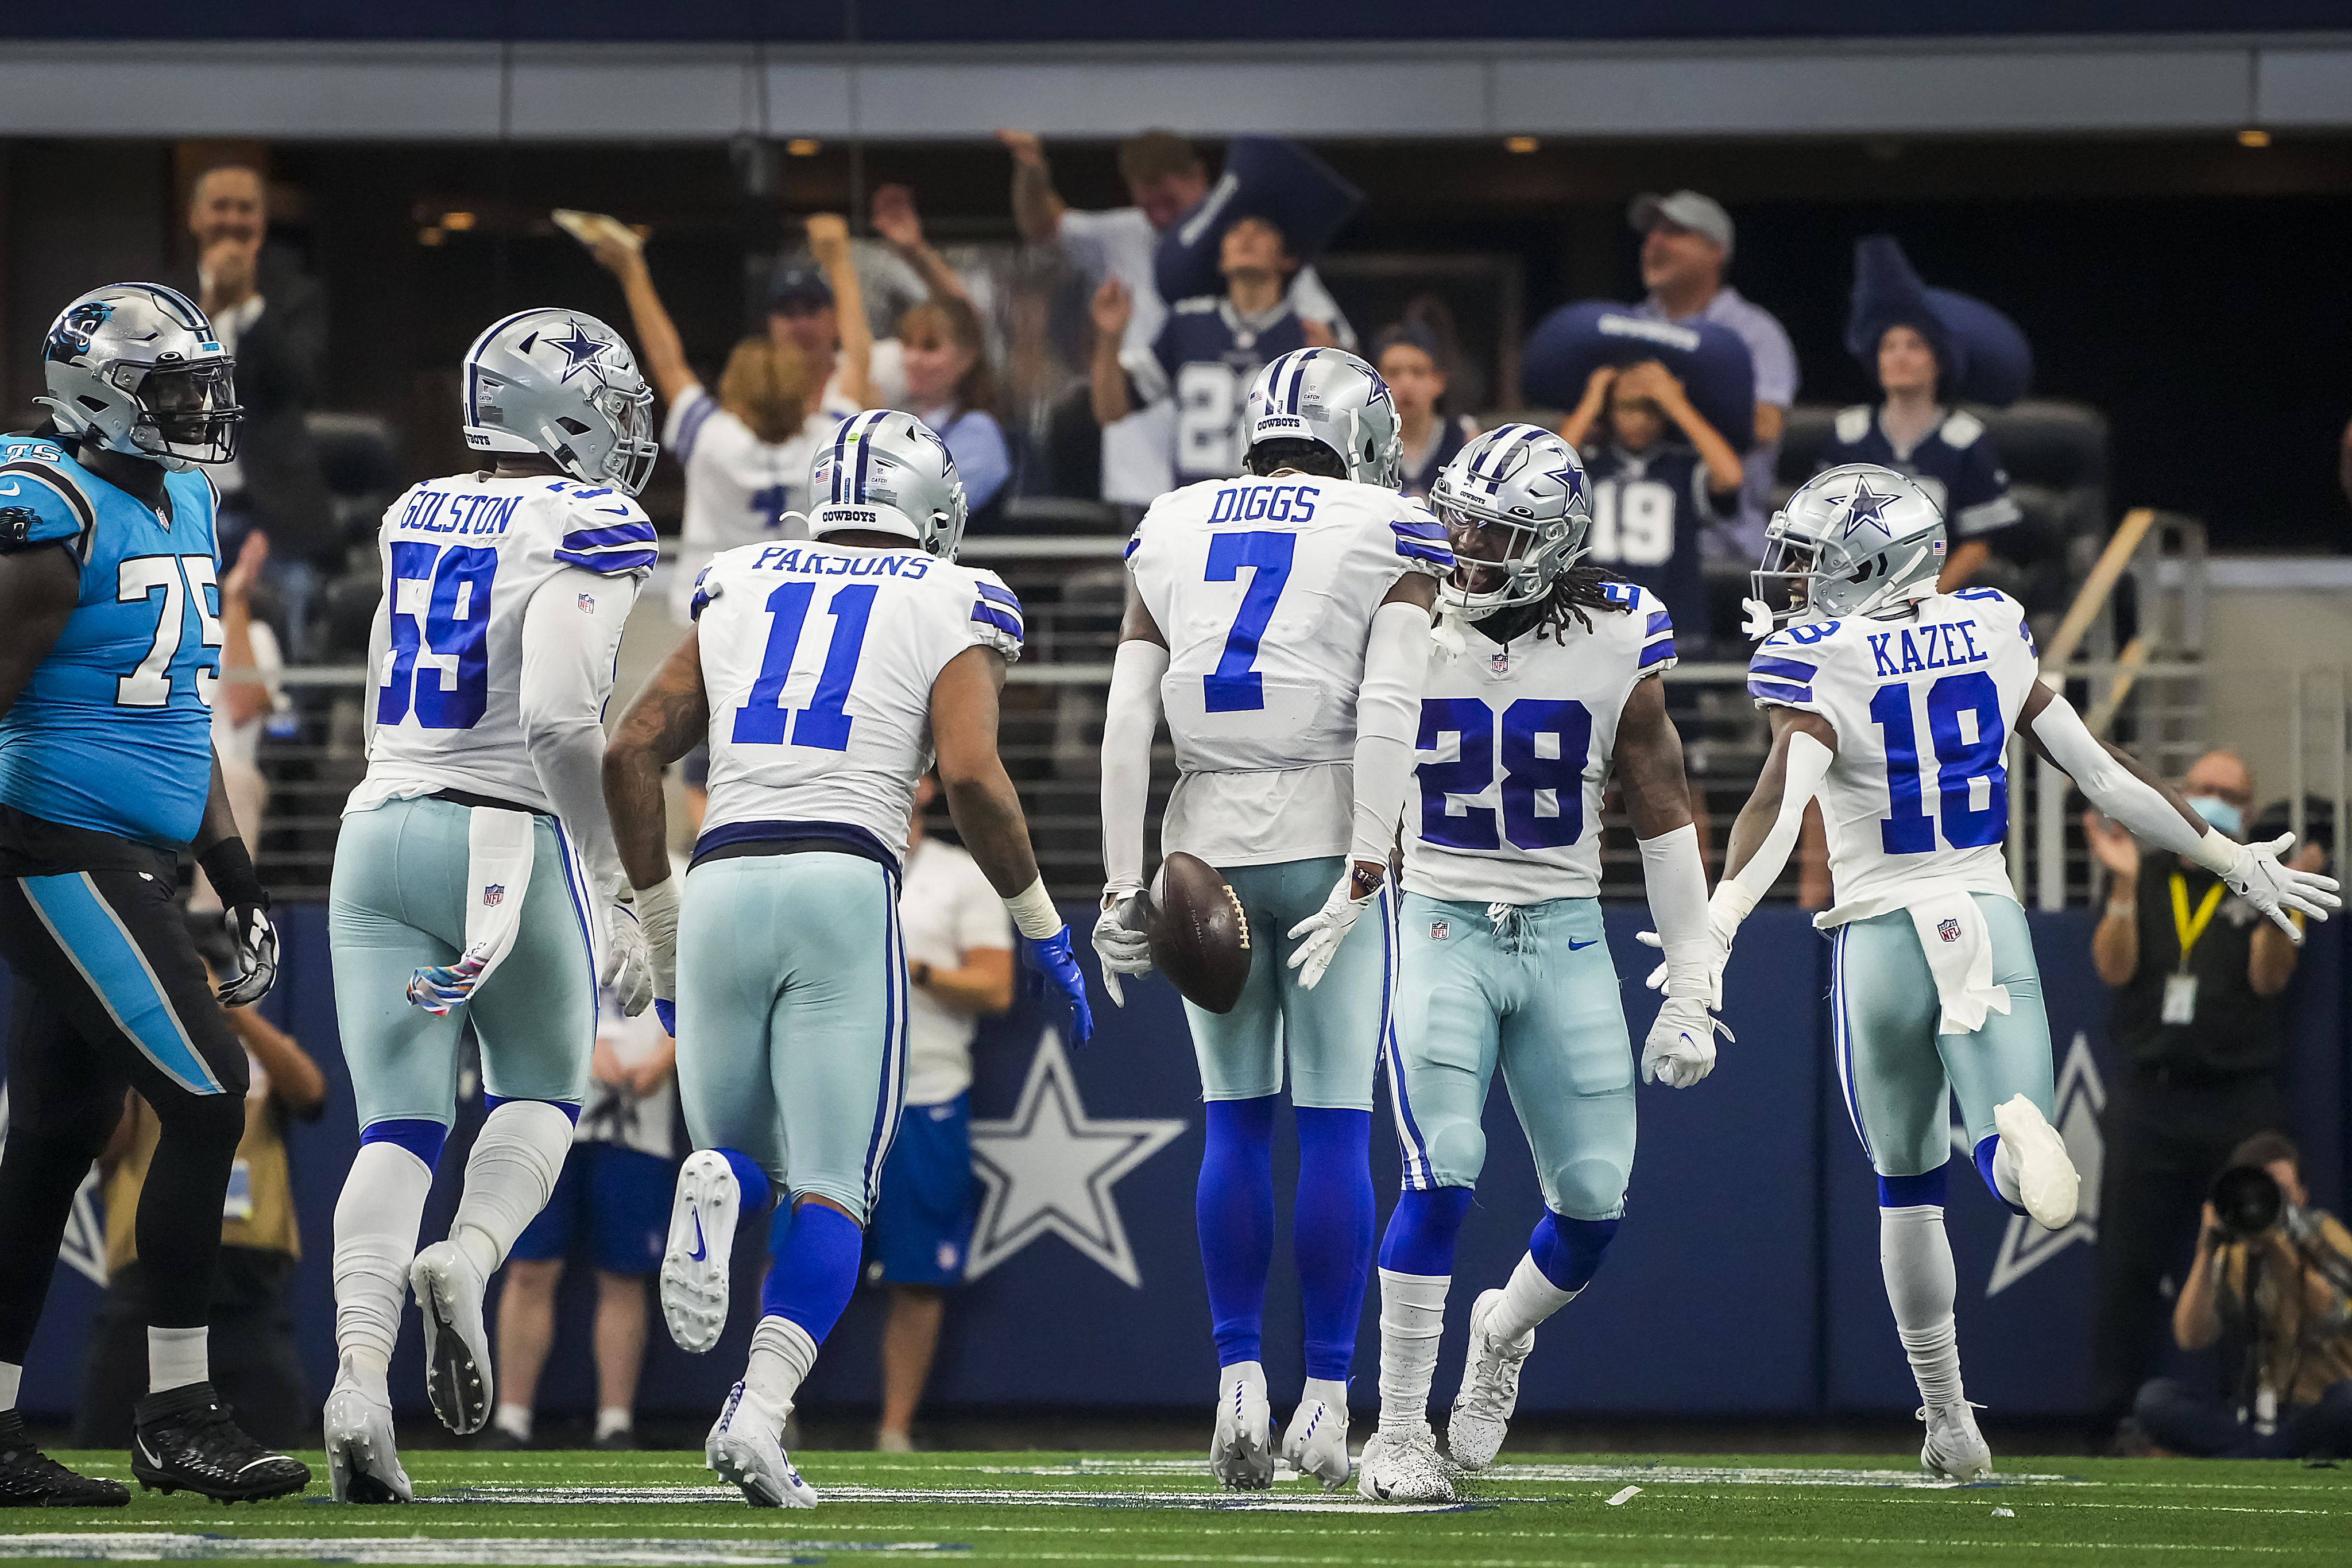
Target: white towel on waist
[(499, 850), (1959, 944)]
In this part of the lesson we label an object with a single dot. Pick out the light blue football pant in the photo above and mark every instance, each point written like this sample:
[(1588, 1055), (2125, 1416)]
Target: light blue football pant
[(1537, 995), (397, 905), (1329, 1037), (1897, 1073), (792, 1019)]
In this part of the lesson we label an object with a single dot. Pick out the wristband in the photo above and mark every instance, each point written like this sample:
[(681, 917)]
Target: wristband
[(1032, 912), (229, 868)]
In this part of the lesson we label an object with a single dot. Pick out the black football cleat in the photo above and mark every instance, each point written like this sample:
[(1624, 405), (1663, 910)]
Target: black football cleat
[(30, 1478), (184, 1441)]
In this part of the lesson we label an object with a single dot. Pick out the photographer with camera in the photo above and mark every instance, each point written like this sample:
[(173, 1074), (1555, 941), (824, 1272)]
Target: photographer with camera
[(2270, 1285)]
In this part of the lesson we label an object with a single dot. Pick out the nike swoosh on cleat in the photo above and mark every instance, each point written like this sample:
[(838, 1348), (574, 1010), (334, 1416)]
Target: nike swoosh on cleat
[(147, 1453), (701, 1251), (1575, 946)]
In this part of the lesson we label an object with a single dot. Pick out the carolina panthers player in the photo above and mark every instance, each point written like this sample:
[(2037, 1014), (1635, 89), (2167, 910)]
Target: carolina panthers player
[(1280, 623), (475, 877), (107, 675), (1894, 703), (1549, 689), (824, 675)]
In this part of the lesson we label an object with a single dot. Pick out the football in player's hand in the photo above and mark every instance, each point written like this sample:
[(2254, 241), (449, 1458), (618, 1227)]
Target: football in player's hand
[(1200, 936)]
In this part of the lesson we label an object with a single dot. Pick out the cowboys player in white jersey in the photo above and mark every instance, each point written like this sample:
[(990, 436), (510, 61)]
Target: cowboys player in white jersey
[(823, 674), (1544, 686), (1894, 703), (1281, 623), (475, 876)]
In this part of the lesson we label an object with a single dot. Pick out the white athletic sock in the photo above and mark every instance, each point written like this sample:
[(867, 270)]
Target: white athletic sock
[(1413, 1318), (612, 1418), (1916, 1256), (781, 1354), (12, 1377), (376, 1217), (514, 1420), (509, 1177), (1528, 1298), (176, 1357), (2004, 1174)]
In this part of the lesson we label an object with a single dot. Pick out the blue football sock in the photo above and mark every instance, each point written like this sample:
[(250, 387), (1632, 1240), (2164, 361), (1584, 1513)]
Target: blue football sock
[(419, 1135), (569, 1108), (1569, 1251), (1419, 1239), (1987, 1147), (1234, 1207), (752, 1180), (1331, 1232), (817, 1251), (1928, 1189)]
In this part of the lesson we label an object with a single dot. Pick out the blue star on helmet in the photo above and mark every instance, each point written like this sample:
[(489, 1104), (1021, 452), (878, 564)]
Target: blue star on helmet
[(1866, 506), (1571, 478), (579, 349)]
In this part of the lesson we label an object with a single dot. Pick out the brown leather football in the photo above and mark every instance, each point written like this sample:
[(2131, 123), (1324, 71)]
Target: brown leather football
[(1200, 936)]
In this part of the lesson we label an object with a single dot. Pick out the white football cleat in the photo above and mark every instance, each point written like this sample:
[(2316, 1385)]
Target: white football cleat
[(745, 1447), (2046, 1181), (1241, 1447), (457, 1375), (694, 1265), (1316, 1445), (1490, 1388), (1955, 1449), (363, 1460), (1403, 1468)]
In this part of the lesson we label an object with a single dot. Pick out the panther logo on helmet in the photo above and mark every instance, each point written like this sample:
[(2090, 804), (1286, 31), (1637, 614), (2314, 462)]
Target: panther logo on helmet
[(70, 340)]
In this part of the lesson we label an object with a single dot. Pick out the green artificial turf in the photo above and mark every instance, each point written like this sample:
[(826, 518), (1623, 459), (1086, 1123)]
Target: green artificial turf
[(590, 1508)]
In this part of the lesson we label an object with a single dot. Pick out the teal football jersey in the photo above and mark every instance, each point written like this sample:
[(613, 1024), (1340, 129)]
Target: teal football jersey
[(113, 732)]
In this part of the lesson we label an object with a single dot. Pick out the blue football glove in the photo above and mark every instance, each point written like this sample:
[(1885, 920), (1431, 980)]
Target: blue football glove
[(1048, 959)]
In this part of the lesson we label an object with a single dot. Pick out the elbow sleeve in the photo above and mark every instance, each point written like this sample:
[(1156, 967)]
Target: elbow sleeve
[(1130, 718), (1388, 714), (1806, 765), (2108, 783)]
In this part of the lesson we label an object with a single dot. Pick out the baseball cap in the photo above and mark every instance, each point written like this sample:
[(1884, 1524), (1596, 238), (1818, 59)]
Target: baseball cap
[(1683, 209), (798, 283)]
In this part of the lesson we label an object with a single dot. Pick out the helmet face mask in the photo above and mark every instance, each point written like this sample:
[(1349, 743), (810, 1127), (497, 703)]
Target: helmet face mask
[(1513, 505), (135, 368), (561, 385), (1851, 541), (1335, 399)]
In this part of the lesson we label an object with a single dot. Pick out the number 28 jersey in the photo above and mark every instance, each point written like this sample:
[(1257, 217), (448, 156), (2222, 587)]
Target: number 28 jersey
[(1516, 744), (1264, 589), (817, 665), (463, 560), (1916, 802)]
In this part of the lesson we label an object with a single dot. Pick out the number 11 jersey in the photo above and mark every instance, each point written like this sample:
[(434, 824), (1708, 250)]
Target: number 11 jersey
[(1264, 589), (1916, 802)]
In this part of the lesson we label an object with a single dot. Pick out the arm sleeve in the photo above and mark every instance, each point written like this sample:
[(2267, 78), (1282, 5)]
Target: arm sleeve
[(1388, 712), (570, 635), (2112, 786), (1130, 718), (1808, 763)]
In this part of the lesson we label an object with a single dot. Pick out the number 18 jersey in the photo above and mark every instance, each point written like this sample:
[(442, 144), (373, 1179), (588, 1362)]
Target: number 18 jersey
[(1916, 802), (1264, 589)]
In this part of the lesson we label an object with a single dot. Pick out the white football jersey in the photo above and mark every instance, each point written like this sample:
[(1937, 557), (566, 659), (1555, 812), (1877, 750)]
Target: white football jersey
[(738, 486), (1924, 702), (1515, 746), (817, 663), (463, 560)]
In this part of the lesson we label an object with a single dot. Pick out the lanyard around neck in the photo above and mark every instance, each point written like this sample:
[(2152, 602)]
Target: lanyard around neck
[(2186, 927)]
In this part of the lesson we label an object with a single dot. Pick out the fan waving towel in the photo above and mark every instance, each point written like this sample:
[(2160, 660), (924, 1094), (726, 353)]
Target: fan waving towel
[(498, 850), (1959, 945)]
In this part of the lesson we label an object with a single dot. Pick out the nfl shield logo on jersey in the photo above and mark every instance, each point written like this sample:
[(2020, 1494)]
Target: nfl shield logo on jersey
[(1501, 662), (587, 605), (493, 894), (1950, 930), (1438, 930)]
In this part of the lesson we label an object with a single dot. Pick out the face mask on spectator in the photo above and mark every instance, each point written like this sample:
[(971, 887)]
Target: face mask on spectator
[(2220, 815)]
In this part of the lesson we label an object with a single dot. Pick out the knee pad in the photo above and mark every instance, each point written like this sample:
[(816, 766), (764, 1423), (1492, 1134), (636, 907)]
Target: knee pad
[(1457, 1151), (214, 1120), (1591, 1189)]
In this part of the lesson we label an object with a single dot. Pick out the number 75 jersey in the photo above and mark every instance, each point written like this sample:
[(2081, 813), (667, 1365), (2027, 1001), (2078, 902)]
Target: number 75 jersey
[(1916, 802)]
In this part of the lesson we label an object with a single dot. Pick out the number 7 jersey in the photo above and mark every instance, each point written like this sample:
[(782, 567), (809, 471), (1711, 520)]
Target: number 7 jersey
[(1916, 802)]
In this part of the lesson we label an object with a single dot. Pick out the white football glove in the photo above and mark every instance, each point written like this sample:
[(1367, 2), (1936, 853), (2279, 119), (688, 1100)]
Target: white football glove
[(1123, 948), (629, 964), (2257, 876), (1319, 934), (1681, 1045), (1719, 955), (656, 912)]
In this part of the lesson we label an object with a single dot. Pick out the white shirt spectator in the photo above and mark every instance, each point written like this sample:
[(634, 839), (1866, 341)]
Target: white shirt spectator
[(738, 486), (946, 909), (612, 1113), (1136, 450), (1775, 361)]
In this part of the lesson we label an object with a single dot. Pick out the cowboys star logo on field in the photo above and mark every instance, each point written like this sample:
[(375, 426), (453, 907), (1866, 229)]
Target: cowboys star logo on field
[(2081, 1097), (1050, 1169)]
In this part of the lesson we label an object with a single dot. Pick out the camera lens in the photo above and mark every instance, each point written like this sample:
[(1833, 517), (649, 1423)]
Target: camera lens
[(2247, 1200)]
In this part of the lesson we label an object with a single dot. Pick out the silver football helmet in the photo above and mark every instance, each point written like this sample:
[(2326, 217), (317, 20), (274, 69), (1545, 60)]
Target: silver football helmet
[(1332, 398), (564, 385), (1852, 540), (135, 368), (1516, 510), (888, 472)]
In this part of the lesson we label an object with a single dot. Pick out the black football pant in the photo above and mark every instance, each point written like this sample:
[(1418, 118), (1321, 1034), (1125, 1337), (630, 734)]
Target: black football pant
[(108, 994)]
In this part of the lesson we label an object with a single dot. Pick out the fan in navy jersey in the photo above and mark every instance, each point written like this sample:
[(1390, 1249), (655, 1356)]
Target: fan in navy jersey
[(1208, 351), (1661, 476)]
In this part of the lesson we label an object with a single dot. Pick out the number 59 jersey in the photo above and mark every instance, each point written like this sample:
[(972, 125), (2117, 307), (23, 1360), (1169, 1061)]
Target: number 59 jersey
[(1515, 746), (1264, 589), (817, 665), (1916, 802), (464, 560)]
